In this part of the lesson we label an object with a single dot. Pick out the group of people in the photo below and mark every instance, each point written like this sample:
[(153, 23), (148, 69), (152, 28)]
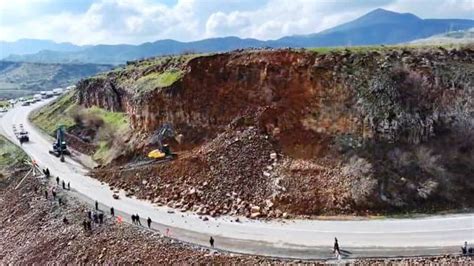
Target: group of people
[(54, 192), (63, 183), (97, 216)]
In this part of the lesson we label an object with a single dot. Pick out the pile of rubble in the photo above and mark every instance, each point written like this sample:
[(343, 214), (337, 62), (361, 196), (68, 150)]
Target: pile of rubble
[(234, 174)]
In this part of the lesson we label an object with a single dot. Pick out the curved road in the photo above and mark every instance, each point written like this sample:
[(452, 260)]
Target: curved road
[(303, 239)]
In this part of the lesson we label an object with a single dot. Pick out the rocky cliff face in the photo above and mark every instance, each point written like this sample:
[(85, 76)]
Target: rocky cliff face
[(371, 94), (345, 111)]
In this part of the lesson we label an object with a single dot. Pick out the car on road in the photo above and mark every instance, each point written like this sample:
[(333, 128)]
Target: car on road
[(58, 91), (48, 94), (37, 97)]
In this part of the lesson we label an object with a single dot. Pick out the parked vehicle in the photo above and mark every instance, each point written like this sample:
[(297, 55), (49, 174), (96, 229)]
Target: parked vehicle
[(58, 91)]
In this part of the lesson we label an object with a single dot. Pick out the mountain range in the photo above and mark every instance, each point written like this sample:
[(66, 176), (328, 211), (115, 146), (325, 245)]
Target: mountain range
[(376, 27)]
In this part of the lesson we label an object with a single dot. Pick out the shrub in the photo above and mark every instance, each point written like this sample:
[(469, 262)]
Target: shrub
[(363, 184), (357, 167), (429, 162)]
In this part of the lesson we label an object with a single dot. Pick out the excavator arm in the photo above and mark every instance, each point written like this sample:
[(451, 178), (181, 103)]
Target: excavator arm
[(165, 131)]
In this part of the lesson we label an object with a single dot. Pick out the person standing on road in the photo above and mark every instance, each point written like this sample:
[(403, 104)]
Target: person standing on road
[(148, 221), (64, 185), (48, 174), (336, 248), (101, 218), (464, 248), (211, 241), (112, 211), (57, 180), (96, 205), (53, 191), (138, 219), (68, 185)]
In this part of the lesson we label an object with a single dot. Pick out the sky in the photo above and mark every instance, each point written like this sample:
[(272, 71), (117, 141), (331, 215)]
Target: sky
[(136, 21)]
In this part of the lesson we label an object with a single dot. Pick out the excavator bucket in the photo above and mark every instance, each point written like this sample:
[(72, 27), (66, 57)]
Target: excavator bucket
[(156, 154)]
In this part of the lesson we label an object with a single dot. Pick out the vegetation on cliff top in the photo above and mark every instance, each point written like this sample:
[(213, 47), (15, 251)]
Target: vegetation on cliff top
[(146, 75), (158, 80)]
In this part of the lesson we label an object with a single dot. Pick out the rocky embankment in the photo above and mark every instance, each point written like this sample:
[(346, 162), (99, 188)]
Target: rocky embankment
[(284, 132), (33, 231)]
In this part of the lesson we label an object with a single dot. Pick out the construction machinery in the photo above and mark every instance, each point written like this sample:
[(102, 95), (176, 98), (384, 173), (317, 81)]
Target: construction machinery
[(163, 151), (21, 134), (59, 145)]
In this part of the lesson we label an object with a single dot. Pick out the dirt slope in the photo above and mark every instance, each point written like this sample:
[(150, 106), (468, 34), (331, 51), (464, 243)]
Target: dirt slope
[(278, 132)]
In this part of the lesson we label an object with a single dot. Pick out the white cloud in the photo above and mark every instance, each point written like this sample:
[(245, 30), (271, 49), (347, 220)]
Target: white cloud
[(436, 8), (281, 17), (137, 21)]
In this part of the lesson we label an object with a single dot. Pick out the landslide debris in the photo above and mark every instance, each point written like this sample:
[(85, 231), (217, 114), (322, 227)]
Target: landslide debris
[(275, 133)]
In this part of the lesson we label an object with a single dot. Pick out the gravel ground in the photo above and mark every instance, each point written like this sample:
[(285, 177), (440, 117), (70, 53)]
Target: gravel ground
[(33, 230)]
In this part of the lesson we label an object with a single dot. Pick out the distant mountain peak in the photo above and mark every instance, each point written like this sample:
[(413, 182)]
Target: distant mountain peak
[(377, 16), (388, 14)]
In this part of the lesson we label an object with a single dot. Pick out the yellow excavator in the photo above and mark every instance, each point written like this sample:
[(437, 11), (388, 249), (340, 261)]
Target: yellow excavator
[(163, 151)]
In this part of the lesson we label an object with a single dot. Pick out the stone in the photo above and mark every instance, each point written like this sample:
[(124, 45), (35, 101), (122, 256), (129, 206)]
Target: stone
[(255, 209), (255, 215), (273, 155)]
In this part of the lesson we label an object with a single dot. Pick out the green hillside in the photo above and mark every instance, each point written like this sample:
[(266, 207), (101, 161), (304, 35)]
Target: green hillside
[(19, 79)]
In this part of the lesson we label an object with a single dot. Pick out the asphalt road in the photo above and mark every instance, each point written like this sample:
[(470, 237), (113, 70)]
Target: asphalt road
[(302, 239)]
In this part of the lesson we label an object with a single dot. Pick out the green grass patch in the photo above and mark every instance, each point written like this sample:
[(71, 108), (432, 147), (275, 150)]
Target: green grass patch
[(10, 154), (4, 104), (115, 123), (157, 80), (116, 120), (59, 112)]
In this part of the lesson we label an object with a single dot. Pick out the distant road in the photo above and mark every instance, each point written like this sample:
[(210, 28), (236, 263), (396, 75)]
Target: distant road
[(304, 239)]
